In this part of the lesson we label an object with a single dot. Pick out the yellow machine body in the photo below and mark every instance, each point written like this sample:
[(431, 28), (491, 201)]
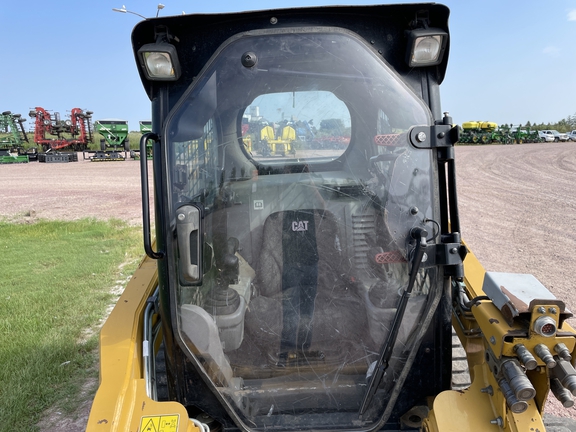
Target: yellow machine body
[(122, 403), (296, 284)]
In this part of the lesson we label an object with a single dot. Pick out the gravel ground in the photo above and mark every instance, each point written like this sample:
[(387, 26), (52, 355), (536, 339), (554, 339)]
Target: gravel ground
[(517, 207), (72, 190)]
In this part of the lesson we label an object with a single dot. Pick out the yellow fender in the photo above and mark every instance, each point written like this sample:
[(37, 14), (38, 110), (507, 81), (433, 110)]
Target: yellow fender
[(121, 402)]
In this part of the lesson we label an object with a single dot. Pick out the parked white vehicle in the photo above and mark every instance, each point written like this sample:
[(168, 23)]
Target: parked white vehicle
[(547, 137), (558, 136), (572, 135)]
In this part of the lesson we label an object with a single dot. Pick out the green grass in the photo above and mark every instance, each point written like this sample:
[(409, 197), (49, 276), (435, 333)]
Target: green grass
[(55, 283)]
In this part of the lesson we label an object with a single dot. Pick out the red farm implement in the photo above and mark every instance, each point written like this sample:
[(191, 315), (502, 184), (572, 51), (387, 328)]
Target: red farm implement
[(52, 133)]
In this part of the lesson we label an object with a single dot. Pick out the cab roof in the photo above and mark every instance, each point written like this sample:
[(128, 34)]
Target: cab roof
[(197, 37)]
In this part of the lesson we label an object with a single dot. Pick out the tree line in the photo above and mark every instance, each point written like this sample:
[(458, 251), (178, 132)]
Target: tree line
[(565, 125)]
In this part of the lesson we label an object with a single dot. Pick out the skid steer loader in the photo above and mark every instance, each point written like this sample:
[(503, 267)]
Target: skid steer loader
[(316, 289)]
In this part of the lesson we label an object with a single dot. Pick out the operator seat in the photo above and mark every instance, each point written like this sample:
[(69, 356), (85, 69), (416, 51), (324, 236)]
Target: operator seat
[(306, 309)]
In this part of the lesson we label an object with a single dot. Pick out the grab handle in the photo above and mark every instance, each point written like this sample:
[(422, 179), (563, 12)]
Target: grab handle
[(146, 196)]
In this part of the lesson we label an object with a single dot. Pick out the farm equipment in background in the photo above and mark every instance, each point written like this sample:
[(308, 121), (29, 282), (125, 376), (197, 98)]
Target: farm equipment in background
[(267, 138), (522, 135), (145, 127), (317, 291), (74, 133), (115, 142), (481, 133), (12, 139), (57, 157), (478, 132), (277, 146)]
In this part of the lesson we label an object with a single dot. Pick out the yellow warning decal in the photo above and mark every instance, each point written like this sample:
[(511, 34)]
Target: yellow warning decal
[(163, 423)]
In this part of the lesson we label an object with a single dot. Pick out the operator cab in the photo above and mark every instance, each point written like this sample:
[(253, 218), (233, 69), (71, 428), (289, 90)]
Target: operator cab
[(301, 204)]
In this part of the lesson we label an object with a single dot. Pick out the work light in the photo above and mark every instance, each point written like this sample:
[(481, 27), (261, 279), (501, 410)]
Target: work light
[(159, 61), (426, 47)]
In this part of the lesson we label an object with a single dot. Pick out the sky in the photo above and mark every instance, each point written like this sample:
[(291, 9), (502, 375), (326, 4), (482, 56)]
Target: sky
[(511, 61)]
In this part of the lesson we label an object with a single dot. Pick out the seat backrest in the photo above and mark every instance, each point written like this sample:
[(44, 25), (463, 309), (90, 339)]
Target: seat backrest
[(304, 303), (296, 238)]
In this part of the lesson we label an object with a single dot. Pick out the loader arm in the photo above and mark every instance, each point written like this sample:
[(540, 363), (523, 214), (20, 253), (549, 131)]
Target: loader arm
[(491, 341)]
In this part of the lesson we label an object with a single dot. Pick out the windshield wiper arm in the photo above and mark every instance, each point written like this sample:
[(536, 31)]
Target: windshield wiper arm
[(386, 352)]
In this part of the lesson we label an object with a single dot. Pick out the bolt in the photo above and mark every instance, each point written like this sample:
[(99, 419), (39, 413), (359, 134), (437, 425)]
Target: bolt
[(492, 340), (421, 137), (454, 251), (497, 421), (541, 309), (273, 20), (249, 59), (552, 310), (181, 216), (488, 390)]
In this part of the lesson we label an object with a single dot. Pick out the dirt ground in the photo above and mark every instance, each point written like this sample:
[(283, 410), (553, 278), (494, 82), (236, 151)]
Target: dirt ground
[(517, 207), (72, 190)]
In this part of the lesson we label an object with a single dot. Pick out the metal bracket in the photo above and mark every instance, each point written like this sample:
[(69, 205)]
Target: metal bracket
[(450, 254), (437, 136)]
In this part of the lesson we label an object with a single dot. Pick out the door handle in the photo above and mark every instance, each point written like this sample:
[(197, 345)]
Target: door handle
[(189, 233)]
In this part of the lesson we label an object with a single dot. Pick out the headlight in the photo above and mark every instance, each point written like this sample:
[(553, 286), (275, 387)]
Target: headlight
[(426, 47), (159, 61)]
